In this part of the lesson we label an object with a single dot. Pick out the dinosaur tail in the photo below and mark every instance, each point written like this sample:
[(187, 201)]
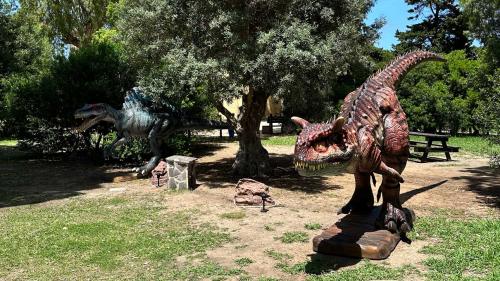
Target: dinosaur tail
[(201, 124), (397, 69)]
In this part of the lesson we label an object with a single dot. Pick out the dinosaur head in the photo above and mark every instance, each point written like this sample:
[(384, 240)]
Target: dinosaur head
[(321, 148), (92, 114)]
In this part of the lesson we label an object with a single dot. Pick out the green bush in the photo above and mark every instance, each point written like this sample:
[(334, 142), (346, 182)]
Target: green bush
[(41, 107), (138, 149), (41, 137)]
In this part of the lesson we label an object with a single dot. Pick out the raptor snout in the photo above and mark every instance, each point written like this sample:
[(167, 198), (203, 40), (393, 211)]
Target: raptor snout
[(85, 111), (92, 113)]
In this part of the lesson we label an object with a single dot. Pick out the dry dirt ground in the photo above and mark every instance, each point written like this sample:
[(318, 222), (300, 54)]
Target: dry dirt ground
[(465, 187)]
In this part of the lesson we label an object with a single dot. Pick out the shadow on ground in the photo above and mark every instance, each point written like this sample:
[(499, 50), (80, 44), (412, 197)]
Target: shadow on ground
[(219, 175), (485, 182), (202, 149), (409, 194), (24, 180), (27, 178), (320, 264), (28, 183)]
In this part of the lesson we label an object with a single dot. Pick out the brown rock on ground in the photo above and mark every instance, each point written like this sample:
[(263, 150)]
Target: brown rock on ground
[(161, 171), (250, 192)]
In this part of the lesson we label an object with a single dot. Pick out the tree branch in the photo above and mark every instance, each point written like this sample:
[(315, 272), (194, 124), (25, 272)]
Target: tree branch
[(226, 113)]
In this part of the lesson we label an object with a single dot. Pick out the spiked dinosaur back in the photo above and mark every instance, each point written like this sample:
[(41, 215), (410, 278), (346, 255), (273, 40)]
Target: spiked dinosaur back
[(363, 132), (366, 109), (385, 79), (137, 101)]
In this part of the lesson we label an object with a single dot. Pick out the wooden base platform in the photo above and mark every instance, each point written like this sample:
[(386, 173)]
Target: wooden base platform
[(355, 236)]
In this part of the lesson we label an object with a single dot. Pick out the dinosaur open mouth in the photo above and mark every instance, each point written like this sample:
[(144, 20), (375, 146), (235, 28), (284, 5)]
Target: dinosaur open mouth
[(321, 147), (87, 123), (326, 154), (333, 163)]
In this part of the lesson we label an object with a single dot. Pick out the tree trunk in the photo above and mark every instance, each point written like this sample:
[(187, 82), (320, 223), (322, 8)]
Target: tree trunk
[(252, 158)]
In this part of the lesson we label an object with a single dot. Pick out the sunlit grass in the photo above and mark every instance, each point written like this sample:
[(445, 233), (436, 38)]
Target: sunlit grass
[(467, 249), (104, 239), (8, 142), (279, 140), (294, 237), (312, 226), (470, 144), (458, 250), (233, 215)]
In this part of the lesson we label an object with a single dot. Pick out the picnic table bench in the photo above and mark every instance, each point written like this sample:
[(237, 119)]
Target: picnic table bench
[(428, 146), (273, 119)]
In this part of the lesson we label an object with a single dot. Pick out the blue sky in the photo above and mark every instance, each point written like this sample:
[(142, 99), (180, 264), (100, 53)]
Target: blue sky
[(396, 15)]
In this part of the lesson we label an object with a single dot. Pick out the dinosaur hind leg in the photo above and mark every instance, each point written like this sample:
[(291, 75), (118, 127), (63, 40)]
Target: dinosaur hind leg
[(153, 162), (362, 198), (392, 216), (155, 145), (395, 154)]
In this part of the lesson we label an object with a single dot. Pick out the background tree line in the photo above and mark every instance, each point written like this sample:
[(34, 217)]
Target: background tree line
[(57, 55)]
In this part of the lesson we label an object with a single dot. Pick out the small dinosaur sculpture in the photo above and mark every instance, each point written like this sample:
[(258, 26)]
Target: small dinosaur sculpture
[(370, 136), (138, 119)]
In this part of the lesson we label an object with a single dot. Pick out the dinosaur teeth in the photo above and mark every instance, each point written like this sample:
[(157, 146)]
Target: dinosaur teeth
[(309, 166)]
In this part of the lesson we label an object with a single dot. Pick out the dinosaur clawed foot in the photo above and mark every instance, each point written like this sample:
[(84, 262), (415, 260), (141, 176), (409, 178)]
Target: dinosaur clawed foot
[(396, 220), (142, 172)]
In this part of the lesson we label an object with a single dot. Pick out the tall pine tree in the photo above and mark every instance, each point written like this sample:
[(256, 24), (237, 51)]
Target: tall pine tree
[(441, 30)]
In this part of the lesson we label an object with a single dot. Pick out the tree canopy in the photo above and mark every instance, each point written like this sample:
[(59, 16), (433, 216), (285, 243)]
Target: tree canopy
[(197, 54), (442, 29), (250, 49), (71, 21)]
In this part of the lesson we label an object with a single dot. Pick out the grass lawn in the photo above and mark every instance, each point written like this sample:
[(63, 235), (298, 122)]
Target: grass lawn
[(469, 144), (466, 250), (140, 239), (113, 237), (8, 142), (106, 239)]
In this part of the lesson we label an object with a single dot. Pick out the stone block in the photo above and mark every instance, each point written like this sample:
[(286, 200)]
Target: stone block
[(181, 172)]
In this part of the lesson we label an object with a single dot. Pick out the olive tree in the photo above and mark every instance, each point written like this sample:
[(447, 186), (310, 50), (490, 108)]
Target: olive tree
[(251, 49), (71, 21)]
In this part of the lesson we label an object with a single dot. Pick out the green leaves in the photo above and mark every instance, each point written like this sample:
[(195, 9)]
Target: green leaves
[(442, 95), (72, 21), (442, 29), (282, 48)]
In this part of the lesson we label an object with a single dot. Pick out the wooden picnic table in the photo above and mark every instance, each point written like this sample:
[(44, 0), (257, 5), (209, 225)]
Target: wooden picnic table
[(275, 119), (430, 147)]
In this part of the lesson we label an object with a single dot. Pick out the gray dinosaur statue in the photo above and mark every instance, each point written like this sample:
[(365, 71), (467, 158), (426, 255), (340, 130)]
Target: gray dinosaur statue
[(138, 119)]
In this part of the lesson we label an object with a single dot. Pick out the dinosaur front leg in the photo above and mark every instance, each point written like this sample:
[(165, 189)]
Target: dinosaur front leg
[(371, 156), (108, 151), (362, 198)]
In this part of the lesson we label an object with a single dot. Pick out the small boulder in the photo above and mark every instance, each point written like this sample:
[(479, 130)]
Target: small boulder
[(159, 175), (250, 192)]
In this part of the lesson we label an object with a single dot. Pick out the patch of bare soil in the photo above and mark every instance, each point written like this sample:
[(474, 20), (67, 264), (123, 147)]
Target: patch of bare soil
[(464, 187)]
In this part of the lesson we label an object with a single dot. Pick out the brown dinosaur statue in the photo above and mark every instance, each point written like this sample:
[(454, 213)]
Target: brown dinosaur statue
[(370, 136)]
